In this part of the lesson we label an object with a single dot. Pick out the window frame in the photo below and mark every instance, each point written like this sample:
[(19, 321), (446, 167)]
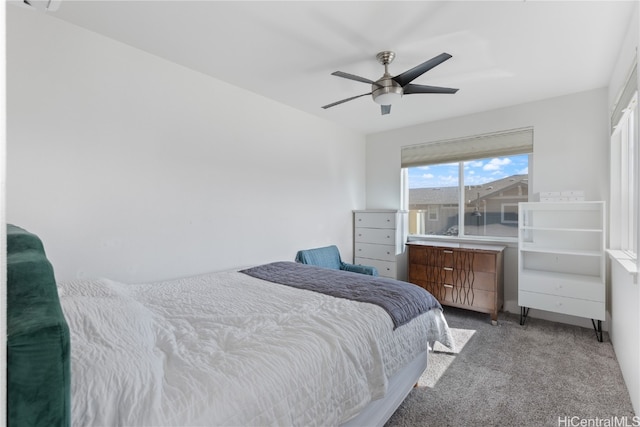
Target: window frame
[(462, 203), (507, 221), (431, 209), (624, 174)]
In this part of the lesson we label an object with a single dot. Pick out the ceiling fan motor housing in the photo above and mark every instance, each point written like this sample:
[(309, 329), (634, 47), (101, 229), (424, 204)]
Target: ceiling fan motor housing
[(385, 91)]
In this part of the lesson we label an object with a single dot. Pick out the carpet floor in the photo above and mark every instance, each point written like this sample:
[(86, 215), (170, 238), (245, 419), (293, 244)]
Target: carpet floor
[(539, 374)]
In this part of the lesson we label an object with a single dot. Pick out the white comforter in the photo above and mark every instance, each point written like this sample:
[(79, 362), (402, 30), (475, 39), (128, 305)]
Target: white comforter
[(227, 349)]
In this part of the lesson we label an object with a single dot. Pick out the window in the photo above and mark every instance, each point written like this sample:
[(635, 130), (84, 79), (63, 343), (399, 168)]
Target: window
[(473, 195), (510, 213), (432, 212), (624, 176)]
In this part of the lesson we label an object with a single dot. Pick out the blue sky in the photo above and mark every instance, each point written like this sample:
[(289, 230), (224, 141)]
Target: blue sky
[(476, 172)]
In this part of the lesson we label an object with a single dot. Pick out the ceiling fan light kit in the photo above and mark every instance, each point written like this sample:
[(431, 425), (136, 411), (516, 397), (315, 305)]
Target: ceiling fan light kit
[(388, 89), (386, 95)]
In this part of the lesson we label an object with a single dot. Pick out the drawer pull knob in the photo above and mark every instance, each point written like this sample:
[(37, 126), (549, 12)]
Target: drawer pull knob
[(448, 268), (448, 252), (447, 286)]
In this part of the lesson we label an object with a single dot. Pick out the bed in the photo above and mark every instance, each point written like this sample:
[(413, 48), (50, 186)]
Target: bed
[(237, 348)]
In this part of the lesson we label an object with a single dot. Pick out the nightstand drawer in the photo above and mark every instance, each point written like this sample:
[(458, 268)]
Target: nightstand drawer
[(370, 250)]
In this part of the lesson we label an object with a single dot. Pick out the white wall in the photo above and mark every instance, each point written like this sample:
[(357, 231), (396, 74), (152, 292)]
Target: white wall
[(570, 145), (625, 291), (134, 168), (570, 153)]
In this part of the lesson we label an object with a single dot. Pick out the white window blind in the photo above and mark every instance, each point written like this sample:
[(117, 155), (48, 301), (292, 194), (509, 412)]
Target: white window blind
[(507, 143)]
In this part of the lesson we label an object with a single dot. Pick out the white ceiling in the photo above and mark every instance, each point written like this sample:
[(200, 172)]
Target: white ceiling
[(504, 52)]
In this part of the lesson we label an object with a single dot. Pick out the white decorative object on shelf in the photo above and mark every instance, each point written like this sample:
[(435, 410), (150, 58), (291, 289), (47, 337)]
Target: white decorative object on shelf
[(562, 196), (379, 238), (561, 259)]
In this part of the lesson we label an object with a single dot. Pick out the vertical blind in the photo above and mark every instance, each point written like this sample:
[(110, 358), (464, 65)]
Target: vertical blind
[(507, 143)]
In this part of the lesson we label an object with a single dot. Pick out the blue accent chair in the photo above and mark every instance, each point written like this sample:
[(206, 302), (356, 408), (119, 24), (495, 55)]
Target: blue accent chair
[(329, 257)]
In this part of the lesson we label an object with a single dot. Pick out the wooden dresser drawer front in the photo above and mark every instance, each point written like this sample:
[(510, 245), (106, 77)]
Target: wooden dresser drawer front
[(467, 279), (435, 256), (481, 280), (381, 252), (426, 285), (375, 219), (449, 276), (444, 275), (385, 268), (550, 285), (427, 256), (466, 297), (417, 255), (417, 272), (375, 235), (484, 261), (445, 257), (572, 306)]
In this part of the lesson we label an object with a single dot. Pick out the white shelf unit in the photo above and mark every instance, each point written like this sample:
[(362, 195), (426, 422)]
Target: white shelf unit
[(561, 259), (379, 238)]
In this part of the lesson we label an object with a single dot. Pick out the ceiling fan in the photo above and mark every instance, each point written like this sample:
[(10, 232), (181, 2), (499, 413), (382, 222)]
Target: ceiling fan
[(387, 89)]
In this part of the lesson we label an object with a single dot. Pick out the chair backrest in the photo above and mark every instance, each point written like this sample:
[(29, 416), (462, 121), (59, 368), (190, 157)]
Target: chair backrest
[(327, 257), (38, 341)]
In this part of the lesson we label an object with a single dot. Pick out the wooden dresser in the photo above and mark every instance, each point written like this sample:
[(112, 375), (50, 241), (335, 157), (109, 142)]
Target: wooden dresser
[(459, 275)]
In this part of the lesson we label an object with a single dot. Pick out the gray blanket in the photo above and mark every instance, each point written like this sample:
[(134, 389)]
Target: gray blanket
[(403, 301)]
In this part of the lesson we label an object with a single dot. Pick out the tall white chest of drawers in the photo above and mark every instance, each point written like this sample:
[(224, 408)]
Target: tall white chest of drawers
[(379, 240)]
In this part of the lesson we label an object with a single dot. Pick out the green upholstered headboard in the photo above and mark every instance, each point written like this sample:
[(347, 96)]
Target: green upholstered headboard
[(38, 344)]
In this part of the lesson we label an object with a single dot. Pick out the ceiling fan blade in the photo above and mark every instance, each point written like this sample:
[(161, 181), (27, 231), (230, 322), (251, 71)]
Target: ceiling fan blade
[(411, 88), (385, 109), (344, 100), (409, 75), (352, 77)]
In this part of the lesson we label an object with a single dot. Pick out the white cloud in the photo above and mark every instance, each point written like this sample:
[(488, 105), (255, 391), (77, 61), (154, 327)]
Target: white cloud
[(496, 164), (474, 164)]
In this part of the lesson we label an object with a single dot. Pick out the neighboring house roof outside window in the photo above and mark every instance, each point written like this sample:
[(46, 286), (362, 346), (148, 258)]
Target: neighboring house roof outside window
[(419, 197)]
